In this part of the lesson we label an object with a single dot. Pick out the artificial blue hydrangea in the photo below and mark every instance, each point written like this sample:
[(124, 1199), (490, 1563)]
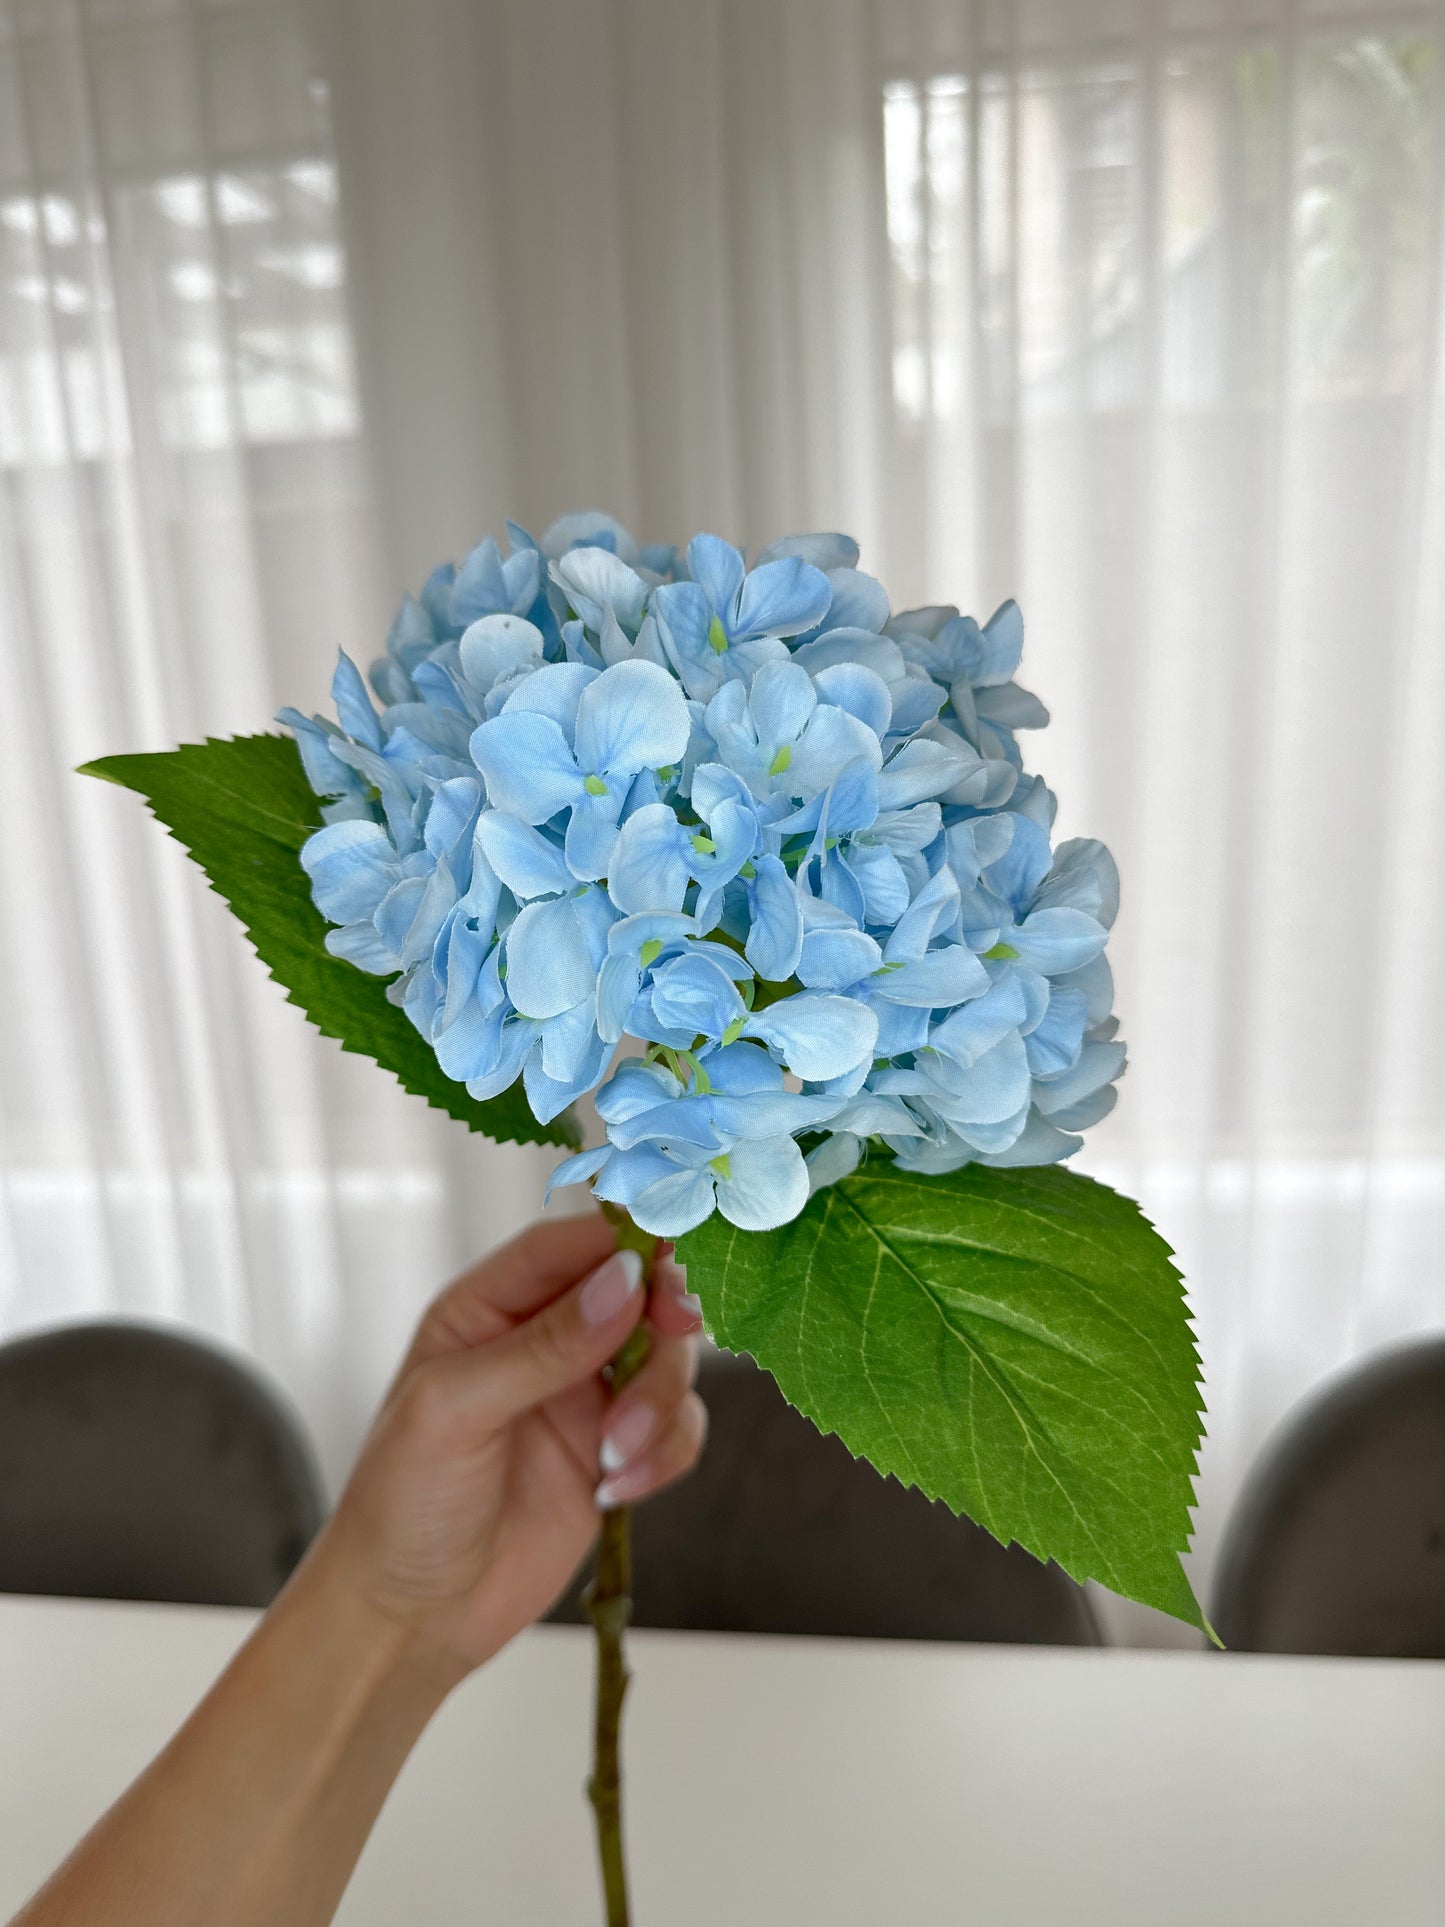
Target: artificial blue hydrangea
[(749, 817)]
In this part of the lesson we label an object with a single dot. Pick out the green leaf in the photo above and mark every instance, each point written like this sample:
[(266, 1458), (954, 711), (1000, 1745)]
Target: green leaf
[(243, 809), (1015, 1343)]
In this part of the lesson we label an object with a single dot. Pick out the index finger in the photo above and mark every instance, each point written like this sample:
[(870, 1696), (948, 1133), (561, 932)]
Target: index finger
[(511, 1283)]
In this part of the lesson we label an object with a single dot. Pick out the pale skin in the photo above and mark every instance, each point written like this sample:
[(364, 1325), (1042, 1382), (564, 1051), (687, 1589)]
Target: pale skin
[(473, 1501)]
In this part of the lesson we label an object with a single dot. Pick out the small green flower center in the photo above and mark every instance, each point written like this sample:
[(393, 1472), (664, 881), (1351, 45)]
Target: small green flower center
[(734, 1030), (1001, 953), (704, 845), (722, 1164), (781, 761), (650, 952), (595, 786), (749, 870), (717, 636)]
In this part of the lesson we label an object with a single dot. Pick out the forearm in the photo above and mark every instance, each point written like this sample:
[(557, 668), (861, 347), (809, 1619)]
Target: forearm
[(257, 1810)]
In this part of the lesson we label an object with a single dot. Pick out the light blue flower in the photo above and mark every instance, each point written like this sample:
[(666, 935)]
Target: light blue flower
[(390, 906), (725, 622), (674, 1151), (975, 665), (605, 610), (581, 752), (782, 740), (486, 584), (751, 818)]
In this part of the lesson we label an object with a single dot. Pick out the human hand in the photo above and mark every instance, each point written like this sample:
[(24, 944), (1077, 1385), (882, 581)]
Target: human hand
[(476, 1493)]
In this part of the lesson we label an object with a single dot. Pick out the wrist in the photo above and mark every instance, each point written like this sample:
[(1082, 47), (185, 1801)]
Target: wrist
[(386, 1652)]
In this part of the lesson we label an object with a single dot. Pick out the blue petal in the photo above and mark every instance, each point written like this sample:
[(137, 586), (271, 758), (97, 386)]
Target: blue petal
[(782, 598), (576, 1170), (838, 956), (1083, 877), (862, 692), (993, 1090), (1098, 1064), (1040, 1142), (351, 866), (452, 816), (353, 706), (471, 1045), (775, 940), (691, 993), (935, 981), (554, 690), (817, 1036), (592, 834), (881, 879), (629, 1173), (579, 1059), (480, 588), (529, 769), (769, 1113), (833, 741), (677, 1204), (1055, 941), (633, 717), (649, 865), (684, 613), (922, 768), (595, 582), (1053, 1046), (326, 773), (743, 1070), (858, 601), (766, 1183), (717, 569), (901, 1027), (517, 1038), (496, 647), (931, 911), (360, 944), (968, 1033), (522, 857), (1001, 645), (1009, 707), (548, 968), (634, 1089), (836, 1157)]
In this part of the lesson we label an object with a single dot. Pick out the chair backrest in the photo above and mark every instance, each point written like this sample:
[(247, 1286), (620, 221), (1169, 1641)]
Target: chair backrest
[(1337, 1544), (781, 1530), (137, 1463)]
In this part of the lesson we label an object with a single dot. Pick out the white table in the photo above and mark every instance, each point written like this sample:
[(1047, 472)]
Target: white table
[(801, 1781)]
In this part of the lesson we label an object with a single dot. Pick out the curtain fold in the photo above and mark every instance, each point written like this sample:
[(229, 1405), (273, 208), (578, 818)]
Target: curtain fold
[(1133, 311)]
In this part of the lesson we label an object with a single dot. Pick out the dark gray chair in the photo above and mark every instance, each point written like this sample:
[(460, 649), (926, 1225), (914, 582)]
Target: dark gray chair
[(781, 1530), (1337, 1544), (137, 1463)]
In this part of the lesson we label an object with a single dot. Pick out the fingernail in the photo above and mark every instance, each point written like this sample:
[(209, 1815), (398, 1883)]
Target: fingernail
[(610, 1286), (690, 1302), (626, 1435), (624, 1487)]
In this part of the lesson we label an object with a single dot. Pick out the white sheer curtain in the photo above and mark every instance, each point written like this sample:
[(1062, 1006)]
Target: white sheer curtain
[(1131, 310)]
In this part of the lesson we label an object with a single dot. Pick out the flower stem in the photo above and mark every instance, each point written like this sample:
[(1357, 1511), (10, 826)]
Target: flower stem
[(609, 1606)]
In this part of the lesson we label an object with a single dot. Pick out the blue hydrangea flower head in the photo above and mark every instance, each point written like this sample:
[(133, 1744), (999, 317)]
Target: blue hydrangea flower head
[(736, 847)]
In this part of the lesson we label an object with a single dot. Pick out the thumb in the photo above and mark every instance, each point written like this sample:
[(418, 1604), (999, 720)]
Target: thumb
[(565, 1343)]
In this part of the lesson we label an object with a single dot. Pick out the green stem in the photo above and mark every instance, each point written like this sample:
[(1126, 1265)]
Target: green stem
[(609, 1606)]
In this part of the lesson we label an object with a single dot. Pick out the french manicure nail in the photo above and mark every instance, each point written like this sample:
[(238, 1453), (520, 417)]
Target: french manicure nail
[(610, 1286), (690, 1301), (619, 1490), (626, 1435)]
